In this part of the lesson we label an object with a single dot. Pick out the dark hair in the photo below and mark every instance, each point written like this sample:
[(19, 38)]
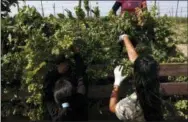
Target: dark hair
[(147, 87), (62, 94), (60, 59)]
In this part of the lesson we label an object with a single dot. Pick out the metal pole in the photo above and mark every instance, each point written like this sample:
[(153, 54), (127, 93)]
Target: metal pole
[(54, 8), (18, 7), (42, 8), (63, 9), (24, 2), (89, 8), (158, 8), (155, 3), (177, 8), (80, 3), (181, 15)]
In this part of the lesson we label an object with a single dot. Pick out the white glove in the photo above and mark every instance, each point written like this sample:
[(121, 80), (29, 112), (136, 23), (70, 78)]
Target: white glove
[(118, 75), (121, 37)]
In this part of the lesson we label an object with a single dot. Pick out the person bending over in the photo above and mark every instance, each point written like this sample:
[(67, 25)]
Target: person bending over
[(145, 103), (71, 103)]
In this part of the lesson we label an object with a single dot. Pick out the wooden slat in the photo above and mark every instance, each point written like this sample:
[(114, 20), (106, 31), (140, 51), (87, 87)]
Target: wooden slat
[(174, 88), (168, 89), (100, 91), (104, 91), (165, 70), (173, 70)]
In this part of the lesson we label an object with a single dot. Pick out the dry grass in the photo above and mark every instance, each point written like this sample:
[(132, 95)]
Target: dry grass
[(180, 33)]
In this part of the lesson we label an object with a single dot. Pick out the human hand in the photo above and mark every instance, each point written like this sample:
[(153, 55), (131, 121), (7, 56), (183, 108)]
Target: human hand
[(118, 75), (121, 37)]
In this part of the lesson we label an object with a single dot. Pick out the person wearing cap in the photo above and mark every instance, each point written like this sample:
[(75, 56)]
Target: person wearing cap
[(128, 5), (63, 69)]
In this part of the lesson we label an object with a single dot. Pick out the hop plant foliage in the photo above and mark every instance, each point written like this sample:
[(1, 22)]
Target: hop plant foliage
[(30, 42)]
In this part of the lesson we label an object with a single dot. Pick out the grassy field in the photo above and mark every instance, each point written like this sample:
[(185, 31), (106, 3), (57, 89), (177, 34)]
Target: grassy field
[(181, 31)]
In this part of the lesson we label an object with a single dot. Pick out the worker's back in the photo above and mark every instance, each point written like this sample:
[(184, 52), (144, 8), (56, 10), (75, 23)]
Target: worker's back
[(130, 5)]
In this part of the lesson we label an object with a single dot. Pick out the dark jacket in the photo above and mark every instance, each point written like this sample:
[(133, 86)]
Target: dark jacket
[(75, 76)]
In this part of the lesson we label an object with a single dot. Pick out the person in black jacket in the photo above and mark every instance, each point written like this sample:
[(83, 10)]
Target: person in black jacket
[(63, 70)]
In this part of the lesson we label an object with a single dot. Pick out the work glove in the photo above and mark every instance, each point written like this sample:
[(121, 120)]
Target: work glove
[(121, 37), (118, 75)]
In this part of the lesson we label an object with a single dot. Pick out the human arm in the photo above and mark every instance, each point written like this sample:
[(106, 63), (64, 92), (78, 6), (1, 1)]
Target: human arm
[(132, 54), (114, 96), (127, 108), (116, 6), (49, 81), (144, 4), (81, 87), (80, 70), (49, 104), (53, 109), (48, 98), (113, 99), (80, 67)]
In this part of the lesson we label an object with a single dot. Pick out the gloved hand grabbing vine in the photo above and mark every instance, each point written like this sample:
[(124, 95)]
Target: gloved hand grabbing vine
[(118, 75), (121, 37)]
